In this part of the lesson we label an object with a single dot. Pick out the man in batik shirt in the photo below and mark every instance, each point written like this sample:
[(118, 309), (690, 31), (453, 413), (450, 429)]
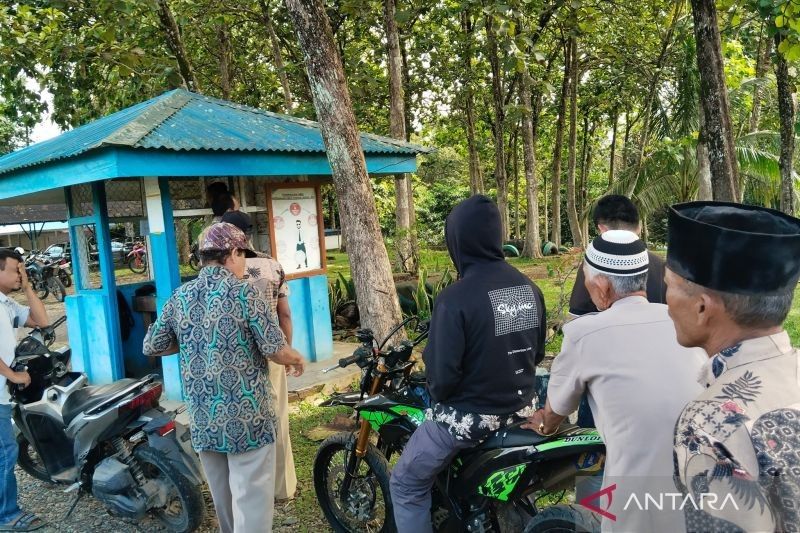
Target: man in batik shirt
[(731, 274), (225, 335)]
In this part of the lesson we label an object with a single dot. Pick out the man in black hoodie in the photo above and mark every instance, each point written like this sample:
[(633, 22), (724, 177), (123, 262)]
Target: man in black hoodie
[(487, 335)]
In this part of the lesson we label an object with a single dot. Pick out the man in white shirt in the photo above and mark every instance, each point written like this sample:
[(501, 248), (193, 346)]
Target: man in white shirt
[(13, 316), (638, 379)]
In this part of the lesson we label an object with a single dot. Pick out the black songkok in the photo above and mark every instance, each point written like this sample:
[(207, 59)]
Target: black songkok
[(735, 248)]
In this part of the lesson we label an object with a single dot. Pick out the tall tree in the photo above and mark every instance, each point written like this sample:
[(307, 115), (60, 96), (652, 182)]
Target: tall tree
[(762, 61), (475, 173), (572, 213), (499, 122), (555, 182), (718, 131), (375, 291), (175, 43), (277, 56), (406, 255), (530, 124), (786, 113), (652, 94), (612, 157)]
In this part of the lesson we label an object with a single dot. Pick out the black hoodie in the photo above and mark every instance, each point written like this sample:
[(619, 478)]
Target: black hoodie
[(488, 329)]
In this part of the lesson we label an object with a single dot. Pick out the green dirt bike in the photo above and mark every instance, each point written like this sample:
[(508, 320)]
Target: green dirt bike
[(493, 487)]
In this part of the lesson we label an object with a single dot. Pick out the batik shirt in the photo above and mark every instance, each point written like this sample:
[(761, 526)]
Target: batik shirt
[(737, 446), (474, 427), (266, 274), (225, 333)]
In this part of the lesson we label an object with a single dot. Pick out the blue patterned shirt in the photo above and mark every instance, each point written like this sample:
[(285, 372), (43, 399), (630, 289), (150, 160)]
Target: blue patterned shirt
[(225, 333)]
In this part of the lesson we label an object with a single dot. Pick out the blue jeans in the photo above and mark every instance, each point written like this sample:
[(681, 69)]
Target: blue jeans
[(9, 509)]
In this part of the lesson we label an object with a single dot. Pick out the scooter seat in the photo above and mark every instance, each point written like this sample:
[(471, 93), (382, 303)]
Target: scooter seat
[(88, 397)]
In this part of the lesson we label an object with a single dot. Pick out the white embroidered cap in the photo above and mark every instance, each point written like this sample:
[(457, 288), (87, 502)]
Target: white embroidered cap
[(618, 252)]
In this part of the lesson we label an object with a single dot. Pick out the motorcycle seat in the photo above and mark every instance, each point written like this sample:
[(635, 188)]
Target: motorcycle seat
[(513, 436), (89, 397)]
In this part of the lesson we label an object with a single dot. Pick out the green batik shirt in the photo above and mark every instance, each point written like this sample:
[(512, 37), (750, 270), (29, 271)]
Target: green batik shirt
[(225, 333)]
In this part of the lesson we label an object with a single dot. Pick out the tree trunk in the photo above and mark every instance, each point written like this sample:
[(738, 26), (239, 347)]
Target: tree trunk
[(704, 190), (475, 175), (377, 298), (714, 99), (530, 123), (786, 114), (588, 145), (397, 129), (762, 60), (225, 60), (175, 44), (277, 57), (499, 125), (412, 213), (515, 173), (555, 182), (651, 96), (612, 160), (572, 212)]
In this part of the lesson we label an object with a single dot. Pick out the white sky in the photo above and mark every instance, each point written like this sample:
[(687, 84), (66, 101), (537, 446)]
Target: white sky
[(46, 128)]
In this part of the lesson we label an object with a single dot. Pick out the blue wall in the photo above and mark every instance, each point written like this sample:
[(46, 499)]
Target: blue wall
[(311, 317), (91, 337)]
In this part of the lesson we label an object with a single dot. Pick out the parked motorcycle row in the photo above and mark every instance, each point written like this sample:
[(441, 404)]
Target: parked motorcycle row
[(47, 275)]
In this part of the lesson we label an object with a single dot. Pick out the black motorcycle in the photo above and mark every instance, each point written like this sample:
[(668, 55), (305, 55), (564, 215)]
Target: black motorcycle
[(112, 441), (44, 276), (495, 486)]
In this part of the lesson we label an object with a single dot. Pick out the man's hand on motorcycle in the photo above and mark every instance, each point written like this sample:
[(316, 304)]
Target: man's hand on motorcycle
[(20, 378), (535, 422)]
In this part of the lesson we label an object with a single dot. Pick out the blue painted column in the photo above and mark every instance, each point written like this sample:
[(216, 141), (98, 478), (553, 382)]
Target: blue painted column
[(311, 317), (116, 366), (93, 317), (166, 271)]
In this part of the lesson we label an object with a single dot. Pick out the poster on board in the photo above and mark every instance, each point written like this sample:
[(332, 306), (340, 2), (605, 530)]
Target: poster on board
[(295, 225)]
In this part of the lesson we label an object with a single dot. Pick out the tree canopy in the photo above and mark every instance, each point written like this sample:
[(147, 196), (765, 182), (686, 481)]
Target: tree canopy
[(493, 84)]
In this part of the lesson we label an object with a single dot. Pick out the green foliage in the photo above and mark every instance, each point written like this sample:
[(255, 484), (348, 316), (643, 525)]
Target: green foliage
[(428, 289), (341, 290)]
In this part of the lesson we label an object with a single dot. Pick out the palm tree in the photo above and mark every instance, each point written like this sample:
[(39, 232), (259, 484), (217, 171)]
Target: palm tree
[(669, 172)]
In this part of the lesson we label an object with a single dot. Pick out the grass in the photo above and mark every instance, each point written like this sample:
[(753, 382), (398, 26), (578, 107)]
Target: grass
[(303, 417)]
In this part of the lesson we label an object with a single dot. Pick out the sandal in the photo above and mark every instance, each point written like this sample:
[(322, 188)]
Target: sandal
[(24, 522)]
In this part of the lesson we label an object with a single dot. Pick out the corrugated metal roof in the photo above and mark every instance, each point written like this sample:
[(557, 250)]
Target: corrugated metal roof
[(181, 120)]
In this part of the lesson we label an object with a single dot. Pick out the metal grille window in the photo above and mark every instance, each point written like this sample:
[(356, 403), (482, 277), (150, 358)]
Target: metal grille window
[(124, 198), (187, 193), (81, 196), (86, 247)]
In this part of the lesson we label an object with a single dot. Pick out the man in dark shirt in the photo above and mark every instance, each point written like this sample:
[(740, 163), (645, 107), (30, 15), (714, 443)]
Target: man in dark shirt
[(487, 334), (618, 212)]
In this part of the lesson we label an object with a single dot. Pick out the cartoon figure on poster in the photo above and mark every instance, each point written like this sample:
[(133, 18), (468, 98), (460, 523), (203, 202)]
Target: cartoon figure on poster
[(296, 234)]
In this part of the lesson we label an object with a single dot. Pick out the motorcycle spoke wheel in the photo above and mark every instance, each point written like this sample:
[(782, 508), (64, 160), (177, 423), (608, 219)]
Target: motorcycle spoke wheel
[(367, 505)]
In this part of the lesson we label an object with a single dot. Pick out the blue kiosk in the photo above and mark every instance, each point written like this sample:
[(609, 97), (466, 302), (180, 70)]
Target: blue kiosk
[(146, 168)]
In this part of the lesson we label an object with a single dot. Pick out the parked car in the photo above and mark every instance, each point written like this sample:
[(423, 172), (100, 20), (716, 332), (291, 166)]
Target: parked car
[(58, 251)]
